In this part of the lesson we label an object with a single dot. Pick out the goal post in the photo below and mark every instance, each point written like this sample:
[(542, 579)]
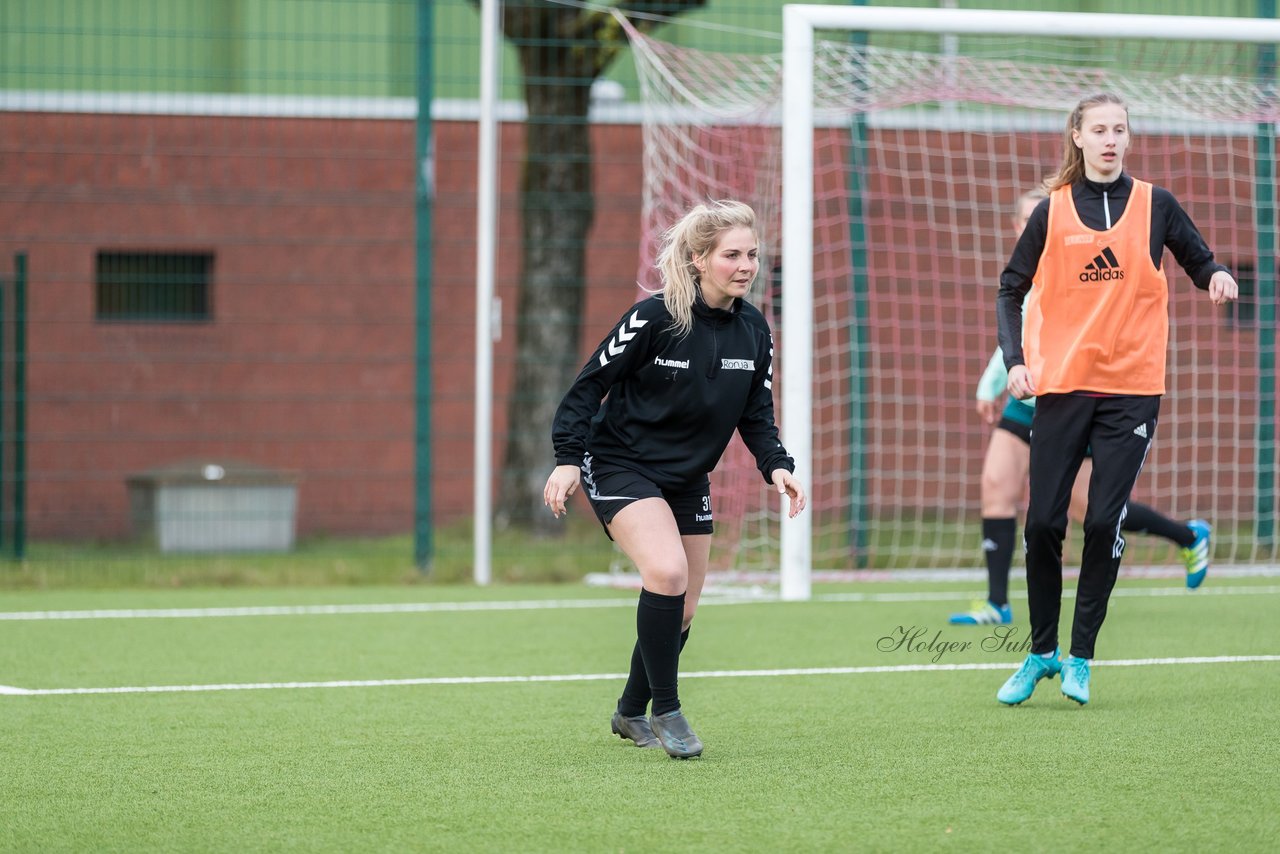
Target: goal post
[(883, 150), (800, 23)]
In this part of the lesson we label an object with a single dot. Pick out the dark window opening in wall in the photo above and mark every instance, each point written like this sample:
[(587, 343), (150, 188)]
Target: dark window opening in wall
[(154, 286)]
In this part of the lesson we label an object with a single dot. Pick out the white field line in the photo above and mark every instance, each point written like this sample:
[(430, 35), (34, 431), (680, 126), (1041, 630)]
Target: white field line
[(725, 578), (597, 677), (316, 610), (1067, 593), (744, 597)]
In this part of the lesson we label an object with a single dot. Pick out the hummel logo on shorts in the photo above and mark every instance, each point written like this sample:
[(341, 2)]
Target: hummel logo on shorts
[(1103, 268)]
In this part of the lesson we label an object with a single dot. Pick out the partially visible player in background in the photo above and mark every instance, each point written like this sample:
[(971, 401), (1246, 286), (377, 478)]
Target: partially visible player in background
[(678, 374), (1004, 484), (1097, 339)]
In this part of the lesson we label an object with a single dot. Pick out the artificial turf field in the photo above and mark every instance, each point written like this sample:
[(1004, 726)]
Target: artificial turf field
[(285, 725)]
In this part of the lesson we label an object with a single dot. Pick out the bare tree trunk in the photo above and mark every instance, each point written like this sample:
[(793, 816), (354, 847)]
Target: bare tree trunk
[(562, 51), (557, 208)]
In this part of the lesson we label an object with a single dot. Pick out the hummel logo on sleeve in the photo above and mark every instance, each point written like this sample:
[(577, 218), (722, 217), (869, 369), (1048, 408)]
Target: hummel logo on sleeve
[(1104, 268), (625, 333)]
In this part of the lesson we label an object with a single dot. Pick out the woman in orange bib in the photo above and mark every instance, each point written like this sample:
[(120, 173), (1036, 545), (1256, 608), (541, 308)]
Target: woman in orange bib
[(1093, 356)]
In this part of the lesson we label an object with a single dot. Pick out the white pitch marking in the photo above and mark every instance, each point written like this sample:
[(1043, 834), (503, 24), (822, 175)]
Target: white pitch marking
[(598, 677), (725, 598), (1067, 593), (719, 579), (315, 610)]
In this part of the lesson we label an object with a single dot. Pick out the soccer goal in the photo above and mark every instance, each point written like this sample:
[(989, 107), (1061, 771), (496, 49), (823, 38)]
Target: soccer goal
[(884, 149)]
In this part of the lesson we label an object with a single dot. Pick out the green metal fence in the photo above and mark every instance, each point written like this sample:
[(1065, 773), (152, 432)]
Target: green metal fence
[(13, 410), (250, 230)]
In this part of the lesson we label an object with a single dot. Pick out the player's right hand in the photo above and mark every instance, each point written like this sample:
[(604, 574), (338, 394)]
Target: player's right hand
[(562, 483), (1021, 386)]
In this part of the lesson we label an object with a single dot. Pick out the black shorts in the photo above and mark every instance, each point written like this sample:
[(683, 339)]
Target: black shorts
[(1017, 428), (1017, 419), (609, 488)]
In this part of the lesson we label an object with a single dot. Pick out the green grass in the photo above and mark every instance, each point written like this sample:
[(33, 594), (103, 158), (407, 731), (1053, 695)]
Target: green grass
[(516, 557), (316, 561), (1168, 758)]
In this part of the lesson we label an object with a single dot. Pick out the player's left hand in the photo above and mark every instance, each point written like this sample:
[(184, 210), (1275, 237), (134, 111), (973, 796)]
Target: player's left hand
[(789, 485), (1223, 288)]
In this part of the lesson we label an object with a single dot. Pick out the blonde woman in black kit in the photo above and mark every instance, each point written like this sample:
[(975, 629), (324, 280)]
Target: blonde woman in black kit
[(644, 424)]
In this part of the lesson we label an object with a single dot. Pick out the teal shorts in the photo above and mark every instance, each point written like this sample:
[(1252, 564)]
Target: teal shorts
[(1016, 419)]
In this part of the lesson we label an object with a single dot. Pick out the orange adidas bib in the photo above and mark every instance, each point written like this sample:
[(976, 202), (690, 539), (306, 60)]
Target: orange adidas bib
[(1097, 318)]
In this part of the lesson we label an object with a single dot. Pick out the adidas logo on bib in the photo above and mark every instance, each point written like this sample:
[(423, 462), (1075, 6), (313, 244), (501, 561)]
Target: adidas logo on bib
[(1103, 268), (1141, 431)]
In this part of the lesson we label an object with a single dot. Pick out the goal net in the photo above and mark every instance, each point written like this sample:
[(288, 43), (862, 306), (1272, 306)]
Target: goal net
[(921, 142)]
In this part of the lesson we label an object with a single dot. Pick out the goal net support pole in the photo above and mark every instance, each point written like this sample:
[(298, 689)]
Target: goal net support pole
[(799, 25)]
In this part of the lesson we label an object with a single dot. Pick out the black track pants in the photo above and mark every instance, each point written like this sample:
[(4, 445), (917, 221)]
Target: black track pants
[(1119, 429)]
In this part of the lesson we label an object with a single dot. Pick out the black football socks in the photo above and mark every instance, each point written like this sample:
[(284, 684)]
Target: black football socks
[(997, 545), (636, 694), (1142, 519), (658, 621)]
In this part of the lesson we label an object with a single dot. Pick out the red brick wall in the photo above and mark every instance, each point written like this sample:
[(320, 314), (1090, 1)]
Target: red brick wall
[(308, 363)]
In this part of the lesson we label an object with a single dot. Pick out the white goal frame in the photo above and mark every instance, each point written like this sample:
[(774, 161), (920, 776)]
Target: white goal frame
[(798, 25)]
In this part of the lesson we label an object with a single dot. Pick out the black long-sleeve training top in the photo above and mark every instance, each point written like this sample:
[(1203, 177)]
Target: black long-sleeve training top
[(1099, 206), (674, 401)]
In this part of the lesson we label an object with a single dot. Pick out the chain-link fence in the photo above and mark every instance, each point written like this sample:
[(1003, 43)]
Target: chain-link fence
[(248, 232)]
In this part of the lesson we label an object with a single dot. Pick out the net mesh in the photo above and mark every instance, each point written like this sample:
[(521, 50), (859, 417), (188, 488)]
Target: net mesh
[(919, 157)]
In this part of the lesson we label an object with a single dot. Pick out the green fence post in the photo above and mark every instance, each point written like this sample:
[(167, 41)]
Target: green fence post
[(423, 546), (20, 405), (859, 337), (1265, 223), (4, 420)]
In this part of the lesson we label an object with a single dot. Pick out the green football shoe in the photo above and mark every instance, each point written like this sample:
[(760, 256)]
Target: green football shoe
[(1196, 555), (983, 613)]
